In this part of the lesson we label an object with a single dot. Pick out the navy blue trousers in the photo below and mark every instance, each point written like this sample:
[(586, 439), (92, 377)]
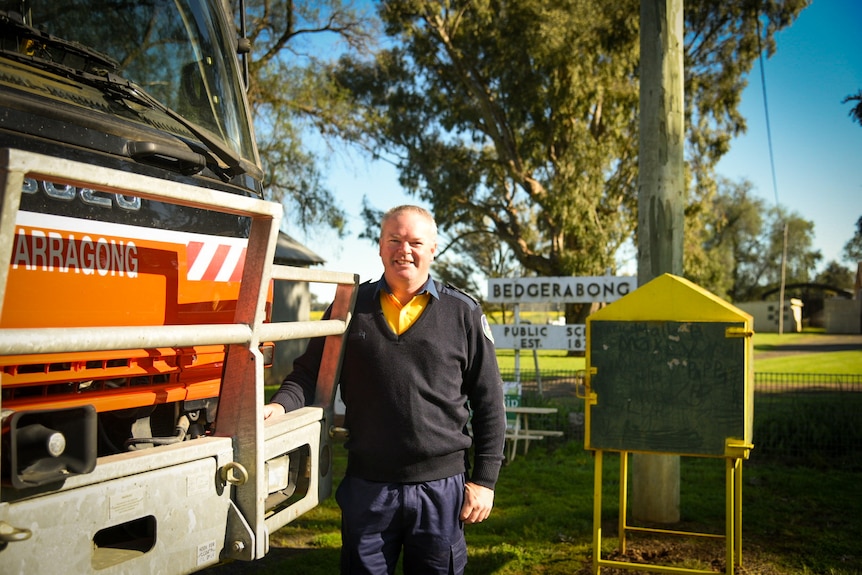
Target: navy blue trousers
[(378, 520)]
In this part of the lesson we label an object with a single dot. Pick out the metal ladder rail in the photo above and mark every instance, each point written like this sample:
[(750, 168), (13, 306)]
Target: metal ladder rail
[(335, 327)]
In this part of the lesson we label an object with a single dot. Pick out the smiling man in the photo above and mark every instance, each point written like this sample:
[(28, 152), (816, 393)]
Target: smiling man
[(419, 364)]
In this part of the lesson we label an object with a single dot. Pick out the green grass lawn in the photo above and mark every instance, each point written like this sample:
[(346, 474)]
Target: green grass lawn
[(837, 362), (796, 520), (766, 344), (547, 361)]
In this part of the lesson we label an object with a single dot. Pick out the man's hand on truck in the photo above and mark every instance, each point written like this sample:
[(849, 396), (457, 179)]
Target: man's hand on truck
[(272, 410)]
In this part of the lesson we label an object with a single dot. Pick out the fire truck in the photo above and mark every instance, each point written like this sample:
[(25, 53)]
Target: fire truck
[(136, 297)]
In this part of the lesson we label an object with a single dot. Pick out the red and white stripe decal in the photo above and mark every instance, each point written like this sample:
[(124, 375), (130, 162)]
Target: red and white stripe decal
[(211, 261)]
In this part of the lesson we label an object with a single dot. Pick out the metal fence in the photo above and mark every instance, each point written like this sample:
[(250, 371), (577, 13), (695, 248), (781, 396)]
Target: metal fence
[(811, 419), (799, 418)]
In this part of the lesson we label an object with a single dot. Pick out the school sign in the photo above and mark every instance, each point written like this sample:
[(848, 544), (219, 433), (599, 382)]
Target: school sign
[(552, 290), (560, 289), (529, 336)]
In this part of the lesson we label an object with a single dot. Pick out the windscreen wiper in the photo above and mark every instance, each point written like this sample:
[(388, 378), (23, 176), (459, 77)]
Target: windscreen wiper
[(76, 62), (215, 149), (21, 40)]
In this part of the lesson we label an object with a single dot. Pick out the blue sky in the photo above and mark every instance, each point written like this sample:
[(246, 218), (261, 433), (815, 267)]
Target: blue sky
[(817, 148)]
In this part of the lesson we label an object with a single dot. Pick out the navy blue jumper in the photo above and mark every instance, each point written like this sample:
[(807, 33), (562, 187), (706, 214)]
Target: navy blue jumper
[(409, 397)]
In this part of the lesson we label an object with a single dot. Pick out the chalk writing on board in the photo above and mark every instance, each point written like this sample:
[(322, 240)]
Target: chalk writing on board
[(667, 387)]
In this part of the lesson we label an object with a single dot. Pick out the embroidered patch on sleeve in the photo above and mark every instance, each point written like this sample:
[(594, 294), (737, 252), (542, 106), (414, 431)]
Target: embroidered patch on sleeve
[(486, 329)]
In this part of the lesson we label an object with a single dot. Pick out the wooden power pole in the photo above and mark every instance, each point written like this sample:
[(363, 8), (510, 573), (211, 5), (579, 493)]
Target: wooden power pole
[(655, 477)]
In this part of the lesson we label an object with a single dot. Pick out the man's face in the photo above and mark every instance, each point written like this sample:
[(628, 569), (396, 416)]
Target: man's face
[(407, 246)]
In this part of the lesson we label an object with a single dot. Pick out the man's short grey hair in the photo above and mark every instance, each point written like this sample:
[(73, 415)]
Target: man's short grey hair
[(409, 208)]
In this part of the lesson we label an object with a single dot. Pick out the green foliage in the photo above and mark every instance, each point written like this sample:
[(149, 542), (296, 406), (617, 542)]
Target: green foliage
[(520, 119), (516, 121), (836, 275), (472, 249), (853, 248), (294, 103), (856, 111), (503, 130), (744, 243)]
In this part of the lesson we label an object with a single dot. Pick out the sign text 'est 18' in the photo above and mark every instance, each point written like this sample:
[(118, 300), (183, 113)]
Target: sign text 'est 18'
[(529, 336)]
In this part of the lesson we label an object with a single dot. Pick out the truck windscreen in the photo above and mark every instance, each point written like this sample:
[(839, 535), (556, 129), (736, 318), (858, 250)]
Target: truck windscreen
[(175, 50)]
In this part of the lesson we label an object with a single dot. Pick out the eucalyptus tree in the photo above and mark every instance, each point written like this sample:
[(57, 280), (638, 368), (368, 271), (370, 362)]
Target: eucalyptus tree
[(853, 248), (746, 241), (836, 275), (297, 106), (520, 118)]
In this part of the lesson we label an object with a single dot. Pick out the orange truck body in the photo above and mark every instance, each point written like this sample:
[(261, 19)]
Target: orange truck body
[(67, 272)]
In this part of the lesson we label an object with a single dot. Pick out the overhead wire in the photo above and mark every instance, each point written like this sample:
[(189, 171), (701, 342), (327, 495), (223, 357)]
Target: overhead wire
[(766, 113), (774, 178)]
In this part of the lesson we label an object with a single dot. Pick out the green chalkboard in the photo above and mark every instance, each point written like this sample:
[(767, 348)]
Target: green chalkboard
[(666, 387)]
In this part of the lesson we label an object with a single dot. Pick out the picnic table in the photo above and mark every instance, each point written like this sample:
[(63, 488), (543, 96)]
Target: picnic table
[(521, 431)]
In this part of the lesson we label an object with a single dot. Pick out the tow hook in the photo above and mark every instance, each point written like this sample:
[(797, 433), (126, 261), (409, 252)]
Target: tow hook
[(233, 473)]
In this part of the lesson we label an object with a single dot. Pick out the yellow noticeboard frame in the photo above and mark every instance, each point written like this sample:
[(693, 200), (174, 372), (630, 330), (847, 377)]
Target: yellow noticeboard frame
[(669, 298)]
